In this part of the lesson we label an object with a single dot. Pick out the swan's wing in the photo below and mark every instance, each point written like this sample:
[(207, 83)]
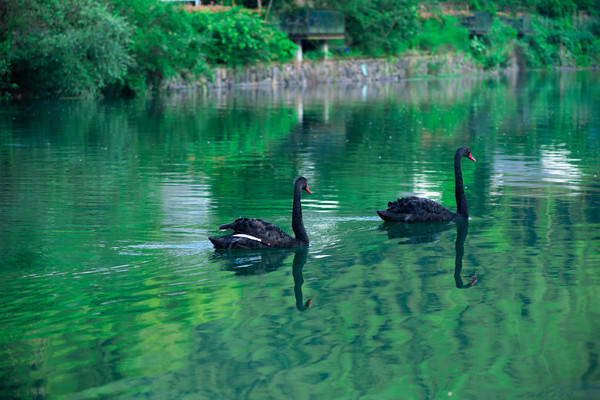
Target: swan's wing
[(264, 231), (415, 209), (416, 205)]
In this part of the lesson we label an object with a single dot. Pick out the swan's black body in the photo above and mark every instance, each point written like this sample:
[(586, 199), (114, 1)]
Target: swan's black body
[(254, 233), (418, 209)]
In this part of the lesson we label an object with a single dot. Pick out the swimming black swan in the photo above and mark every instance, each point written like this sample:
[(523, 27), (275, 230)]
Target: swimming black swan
[(418, 209), (254, 233)]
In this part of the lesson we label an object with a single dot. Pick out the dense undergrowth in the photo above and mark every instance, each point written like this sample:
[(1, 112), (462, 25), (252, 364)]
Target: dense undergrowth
[(86, 48)]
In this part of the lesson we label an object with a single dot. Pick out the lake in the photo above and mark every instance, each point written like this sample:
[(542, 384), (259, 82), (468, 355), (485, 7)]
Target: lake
[(111, 289)]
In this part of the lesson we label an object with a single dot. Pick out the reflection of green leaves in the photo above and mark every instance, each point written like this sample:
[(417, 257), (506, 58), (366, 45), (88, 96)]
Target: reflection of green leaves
[(157, 317)]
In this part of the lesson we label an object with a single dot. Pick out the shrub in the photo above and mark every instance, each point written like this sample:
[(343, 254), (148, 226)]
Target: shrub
[(377, 26), (239, 37), (443, 33), (496, 47), (64, 47), (164, 43), (556, 8), (558, 42)]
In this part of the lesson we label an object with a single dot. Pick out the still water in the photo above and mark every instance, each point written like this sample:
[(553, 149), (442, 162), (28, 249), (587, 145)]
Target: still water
[(109, 287)]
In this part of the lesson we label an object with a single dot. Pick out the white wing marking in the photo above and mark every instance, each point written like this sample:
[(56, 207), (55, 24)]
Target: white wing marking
[(247, 236)]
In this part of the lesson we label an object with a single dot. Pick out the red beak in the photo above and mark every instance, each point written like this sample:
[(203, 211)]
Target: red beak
[(471, 157), (307, 190)]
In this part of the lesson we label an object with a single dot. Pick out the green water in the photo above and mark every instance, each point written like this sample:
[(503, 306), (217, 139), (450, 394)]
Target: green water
[(109, 287)]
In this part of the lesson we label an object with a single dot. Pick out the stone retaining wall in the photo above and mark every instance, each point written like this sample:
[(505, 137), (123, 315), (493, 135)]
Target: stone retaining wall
[(355, 71)]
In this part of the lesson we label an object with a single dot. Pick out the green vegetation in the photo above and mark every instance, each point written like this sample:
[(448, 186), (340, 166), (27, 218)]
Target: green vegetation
[(164, 43), (62, 47), (441, 34), (83, 48), (239, 37), (379, 26)]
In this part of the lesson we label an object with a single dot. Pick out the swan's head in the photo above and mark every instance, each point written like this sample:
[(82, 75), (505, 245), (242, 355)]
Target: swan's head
[(464, 151), (303, 184)]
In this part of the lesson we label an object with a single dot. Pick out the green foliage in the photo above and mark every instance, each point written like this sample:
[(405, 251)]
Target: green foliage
[(556, 8), (83, 47), (441, 34), (63, 47), (164, 43), (496, 47), (558, 42), (239, 37), (378, 26)]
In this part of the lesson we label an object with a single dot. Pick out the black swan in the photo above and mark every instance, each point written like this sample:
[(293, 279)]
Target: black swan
[(418, 209), (254, 233)]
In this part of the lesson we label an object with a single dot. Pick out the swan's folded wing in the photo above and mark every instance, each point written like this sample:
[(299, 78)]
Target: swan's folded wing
[(416, 205), (267, 232), (245, 225)]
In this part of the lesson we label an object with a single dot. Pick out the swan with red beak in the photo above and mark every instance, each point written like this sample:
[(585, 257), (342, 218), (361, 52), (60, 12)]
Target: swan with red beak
[(255, 233), (419, 209)]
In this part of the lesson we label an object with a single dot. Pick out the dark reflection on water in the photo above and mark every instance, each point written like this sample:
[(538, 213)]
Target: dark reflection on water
[(252, 262), (256, 262), (415, 233), (462, 229), (300, 256), (110, 288)]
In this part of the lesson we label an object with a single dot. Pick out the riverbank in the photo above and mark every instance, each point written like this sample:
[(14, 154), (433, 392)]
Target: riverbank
[(342, 72), (118, 47)]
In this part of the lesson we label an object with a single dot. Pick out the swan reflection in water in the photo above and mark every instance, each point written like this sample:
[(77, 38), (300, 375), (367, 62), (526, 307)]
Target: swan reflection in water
[(462, 228), (248, 262), (415, 233), (430, 232), (300, 256)]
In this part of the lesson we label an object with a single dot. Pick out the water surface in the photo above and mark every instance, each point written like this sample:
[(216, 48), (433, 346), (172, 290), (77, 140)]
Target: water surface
[(110, 288)]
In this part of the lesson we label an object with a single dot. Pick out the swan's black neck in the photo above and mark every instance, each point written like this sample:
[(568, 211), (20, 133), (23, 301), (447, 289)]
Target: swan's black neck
[(459, 190), (297, 224)]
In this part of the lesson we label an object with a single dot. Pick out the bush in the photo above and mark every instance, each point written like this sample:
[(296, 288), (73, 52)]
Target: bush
[(240, 37), (557, 42), (496, 47), (377, 26), (556, 8), (164, 43), (63, 47), (443, 33)]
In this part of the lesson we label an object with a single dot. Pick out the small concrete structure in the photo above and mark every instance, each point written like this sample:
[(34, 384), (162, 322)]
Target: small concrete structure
[(309, 24)]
